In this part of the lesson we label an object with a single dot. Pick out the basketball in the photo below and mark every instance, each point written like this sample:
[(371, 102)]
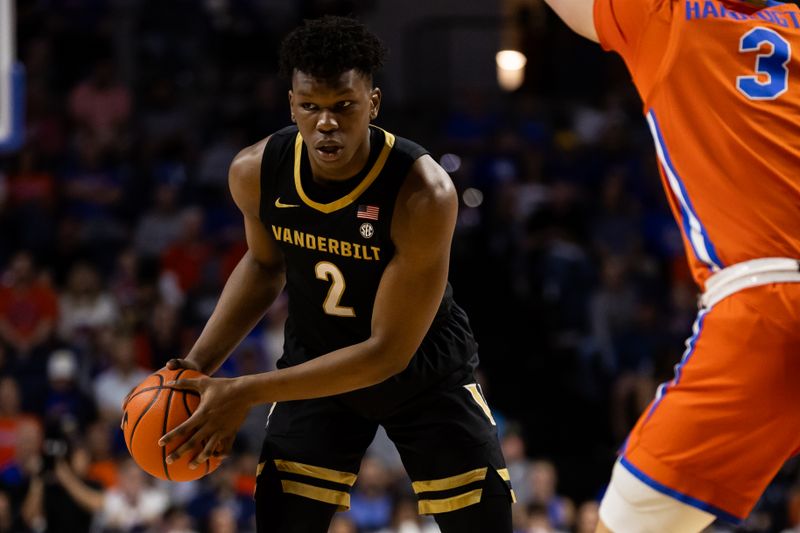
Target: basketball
[(152, 410)]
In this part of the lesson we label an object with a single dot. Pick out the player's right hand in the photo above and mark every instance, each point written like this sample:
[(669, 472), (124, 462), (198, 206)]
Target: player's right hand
[(177, 364)]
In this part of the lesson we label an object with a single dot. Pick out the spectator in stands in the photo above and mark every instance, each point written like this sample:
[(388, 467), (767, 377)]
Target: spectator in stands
[(61, 499), (189, 255), (222, 519), (66, 405), (160, 226), (406, 519), (370, 501), (12, 419), (10, 521), (176, 520), (519, 466), (543, 481), (538, 520), (113, 384), (342, 524), (134, 505), (588, 517), (101, 106), (31, 198), (221, 491), (28, 307), (93, 191), (102, 466), (16, 475), (85, 308)]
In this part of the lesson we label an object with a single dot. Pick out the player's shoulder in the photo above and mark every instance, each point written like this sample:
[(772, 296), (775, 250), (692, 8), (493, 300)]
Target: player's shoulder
[(427, 188), (244, 174), (408, 148)]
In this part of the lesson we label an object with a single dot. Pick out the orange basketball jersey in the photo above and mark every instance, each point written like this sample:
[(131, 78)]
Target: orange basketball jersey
[(720, 83)]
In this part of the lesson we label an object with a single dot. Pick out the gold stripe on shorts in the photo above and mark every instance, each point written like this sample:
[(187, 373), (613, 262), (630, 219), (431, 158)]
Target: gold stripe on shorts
[(335, 497), (479, 474), (344, 478), (450, 504), (505, 476)]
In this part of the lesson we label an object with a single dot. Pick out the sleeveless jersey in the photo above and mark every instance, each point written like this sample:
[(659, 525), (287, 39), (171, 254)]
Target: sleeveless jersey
[(336, 242), (720, 81)]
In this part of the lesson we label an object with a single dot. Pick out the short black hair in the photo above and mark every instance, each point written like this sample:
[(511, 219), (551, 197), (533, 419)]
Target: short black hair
[(329, 46)]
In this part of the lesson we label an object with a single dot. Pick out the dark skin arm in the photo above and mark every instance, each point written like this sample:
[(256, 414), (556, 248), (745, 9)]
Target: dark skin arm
[(408, 297)]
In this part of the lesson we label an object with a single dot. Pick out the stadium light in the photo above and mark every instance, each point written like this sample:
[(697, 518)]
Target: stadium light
[(510, 69)]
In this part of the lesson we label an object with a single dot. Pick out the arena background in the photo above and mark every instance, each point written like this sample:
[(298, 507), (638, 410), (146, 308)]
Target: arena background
[(117, 233)]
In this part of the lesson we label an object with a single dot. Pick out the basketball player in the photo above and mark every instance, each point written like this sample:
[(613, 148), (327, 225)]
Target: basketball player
[(357, 223), (720, 82)]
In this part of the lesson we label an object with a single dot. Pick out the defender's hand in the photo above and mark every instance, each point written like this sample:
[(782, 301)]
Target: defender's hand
[(213, 426)]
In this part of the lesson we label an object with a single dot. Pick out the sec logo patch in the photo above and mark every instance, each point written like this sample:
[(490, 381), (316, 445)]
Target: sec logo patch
[(366, 230)]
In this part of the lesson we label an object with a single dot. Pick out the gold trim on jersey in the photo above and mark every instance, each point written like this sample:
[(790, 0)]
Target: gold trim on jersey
[(350, 197), (450, 504), (344, 478), (479, 474), (334, 497)]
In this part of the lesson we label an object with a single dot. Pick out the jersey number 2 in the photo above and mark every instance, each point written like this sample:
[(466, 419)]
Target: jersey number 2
[(330, 272), (772, 70)]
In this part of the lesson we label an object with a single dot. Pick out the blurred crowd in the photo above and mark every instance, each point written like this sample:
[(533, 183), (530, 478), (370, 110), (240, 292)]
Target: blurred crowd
[(117, 234)]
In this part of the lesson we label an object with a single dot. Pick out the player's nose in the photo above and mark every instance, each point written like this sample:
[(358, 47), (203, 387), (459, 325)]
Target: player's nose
[(327, 122)]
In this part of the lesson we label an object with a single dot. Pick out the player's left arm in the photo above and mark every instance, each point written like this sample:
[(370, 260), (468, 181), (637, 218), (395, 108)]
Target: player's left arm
[(408, 297), (578, 15)]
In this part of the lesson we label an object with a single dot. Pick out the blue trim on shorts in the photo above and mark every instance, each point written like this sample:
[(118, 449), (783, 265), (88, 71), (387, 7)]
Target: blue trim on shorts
[(684, 498), (691, 344)]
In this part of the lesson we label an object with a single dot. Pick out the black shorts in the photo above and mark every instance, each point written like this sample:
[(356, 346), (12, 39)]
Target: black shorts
[(446, 437)]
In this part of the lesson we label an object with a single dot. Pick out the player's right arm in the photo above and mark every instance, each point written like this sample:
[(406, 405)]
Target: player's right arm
[(578, 15), (255, 282)]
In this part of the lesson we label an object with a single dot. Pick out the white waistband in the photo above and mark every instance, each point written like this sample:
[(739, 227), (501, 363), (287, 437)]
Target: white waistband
[(748, 274)]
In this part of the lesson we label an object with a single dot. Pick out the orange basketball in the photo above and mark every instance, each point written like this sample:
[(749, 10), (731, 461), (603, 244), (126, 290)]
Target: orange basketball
[(152, 410)]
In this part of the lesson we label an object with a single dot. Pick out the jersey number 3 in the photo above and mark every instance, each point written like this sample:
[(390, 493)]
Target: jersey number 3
[(772, 71), (330, 272)]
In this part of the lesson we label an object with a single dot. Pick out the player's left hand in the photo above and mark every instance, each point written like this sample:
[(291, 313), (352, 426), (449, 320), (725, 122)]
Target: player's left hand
[(213, 426)]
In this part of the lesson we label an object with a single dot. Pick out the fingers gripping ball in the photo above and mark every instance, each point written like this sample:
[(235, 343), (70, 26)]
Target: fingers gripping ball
[(150, 411)]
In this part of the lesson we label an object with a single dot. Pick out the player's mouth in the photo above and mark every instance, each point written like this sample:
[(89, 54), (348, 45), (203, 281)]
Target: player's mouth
[(329, 152)]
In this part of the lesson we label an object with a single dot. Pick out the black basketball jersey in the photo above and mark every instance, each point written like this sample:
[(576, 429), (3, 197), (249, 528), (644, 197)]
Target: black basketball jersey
[(336, 241)]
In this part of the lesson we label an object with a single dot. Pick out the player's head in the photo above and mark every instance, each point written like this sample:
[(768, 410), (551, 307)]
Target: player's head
[(331, 63)]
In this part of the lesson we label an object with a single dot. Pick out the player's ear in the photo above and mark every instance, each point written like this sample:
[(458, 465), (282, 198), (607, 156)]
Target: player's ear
[(291, 104), (374, 103)]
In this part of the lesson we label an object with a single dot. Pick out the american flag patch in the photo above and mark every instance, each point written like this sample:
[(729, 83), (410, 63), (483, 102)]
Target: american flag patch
[(368, 211)]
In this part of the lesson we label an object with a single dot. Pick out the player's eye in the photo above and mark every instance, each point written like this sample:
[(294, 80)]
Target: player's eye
[(308, 106), (344, 105)]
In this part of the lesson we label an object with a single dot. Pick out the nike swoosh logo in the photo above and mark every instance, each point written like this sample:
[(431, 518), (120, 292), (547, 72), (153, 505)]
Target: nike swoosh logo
[(281, 205)]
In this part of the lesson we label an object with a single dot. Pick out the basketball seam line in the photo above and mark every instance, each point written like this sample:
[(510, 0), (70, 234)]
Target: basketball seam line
[(152, 402), (164, 431), (155, 387)]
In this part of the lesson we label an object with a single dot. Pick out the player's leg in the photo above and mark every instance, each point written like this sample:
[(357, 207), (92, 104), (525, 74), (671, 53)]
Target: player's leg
[(632, 506), (718, 433), (491, 513), (447, 439), (308, 464)]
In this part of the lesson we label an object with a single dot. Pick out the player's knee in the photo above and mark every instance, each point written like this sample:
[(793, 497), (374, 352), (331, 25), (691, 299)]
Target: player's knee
[(631, 506)]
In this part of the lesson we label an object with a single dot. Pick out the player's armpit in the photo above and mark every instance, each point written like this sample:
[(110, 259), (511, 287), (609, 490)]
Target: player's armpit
[(578, 15)]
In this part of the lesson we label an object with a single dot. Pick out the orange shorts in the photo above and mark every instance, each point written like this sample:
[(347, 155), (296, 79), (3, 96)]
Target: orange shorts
[(716, 435)]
